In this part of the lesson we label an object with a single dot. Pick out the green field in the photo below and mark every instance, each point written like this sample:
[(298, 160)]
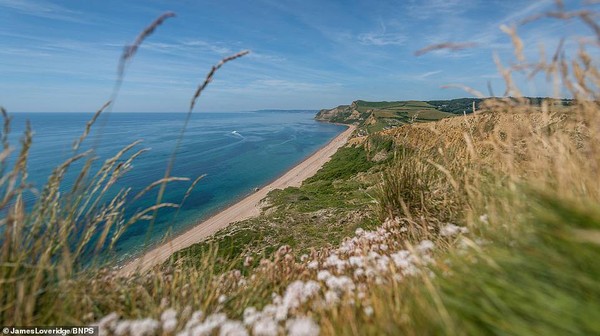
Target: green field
[(372, 117)]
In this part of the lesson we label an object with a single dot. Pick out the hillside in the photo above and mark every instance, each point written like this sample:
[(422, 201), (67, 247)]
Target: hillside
[(435, 221), (372, 117), (376, 116)]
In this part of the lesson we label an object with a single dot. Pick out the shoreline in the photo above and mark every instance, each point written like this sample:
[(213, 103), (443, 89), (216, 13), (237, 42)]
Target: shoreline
[(247, 207)]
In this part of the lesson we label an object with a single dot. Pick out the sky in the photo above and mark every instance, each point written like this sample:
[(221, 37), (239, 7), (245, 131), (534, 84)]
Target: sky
[(62, 56)]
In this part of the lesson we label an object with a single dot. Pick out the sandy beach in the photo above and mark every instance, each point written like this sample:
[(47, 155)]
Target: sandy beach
[(246, 208)]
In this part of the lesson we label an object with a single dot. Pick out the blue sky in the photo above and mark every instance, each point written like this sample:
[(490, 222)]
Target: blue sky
[(62, 55)]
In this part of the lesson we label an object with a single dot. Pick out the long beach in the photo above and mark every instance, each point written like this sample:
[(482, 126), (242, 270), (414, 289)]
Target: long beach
[(246, 208)]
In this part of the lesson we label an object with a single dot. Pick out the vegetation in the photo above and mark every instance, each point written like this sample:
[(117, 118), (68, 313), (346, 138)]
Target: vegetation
[(456, 106), (328, 207), (376, 116), (465, 105), (372, 117), (490, 225)]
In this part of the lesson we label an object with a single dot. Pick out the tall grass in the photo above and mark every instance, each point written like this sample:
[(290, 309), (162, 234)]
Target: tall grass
[(48, 245)]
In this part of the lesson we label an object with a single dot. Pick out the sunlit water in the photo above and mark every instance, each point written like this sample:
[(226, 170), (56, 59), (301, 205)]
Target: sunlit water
[(237, 151)]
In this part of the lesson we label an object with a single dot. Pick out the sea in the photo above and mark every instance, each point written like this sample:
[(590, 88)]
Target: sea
[(237, 152)]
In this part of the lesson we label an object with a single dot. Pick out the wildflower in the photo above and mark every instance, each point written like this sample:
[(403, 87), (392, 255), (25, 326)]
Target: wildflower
[(250, 315), (382, 263), (313, 265), (451, 230), (270, 310), (311, 288), (211, 323), (340, 284), (425, 246), (265, 327), (143, 327), (277, 300), (168, 314), (334, 261), (169, 326), (222, 298), (108, 322), (122, 328), (371, 236), (302, 326), (410, 270), (194, 320), (169, 320), (332, 298), (323, 275), (281, 313), (368, 311), (248, 261), (401, 259), (233, 328), (298, 292), (283, 250)]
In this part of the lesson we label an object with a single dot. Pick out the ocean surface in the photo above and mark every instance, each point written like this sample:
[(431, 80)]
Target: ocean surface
[(237, 151)]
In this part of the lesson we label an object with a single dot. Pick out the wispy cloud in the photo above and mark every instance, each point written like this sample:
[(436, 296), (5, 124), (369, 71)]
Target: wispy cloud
[(382, 39), (437, 9), (428, 74), (216, 47), (287, 85), (43, 9), (535, 7)]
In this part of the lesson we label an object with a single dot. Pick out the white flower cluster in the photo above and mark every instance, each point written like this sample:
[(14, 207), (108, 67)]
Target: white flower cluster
[(271, 321), (339, 276), (368, 257), (195, 325), (267, 322), (452, 230)]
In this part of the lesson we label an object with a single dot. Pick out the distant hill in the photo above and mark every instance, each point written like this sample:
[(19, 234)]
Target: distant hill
[(276, 110), (376, 116)]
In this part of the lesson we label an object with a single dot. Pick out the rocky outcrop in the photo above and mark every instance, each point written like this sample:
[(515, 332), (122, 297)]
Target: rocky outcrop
[(344, 114), (334, 113)]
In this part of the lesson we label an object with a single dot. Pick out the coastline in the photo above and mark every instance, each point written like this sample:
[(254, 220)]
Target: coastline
[(247, 207)]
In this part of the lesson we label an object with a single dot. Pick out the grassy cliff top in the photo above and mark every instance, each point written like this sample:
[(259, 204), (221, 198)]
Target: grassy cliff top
[(375, 116)]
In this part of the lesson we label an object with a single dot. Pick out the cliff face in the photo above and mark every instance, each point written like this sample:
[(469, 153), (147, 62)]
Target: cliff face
[(344, 114)]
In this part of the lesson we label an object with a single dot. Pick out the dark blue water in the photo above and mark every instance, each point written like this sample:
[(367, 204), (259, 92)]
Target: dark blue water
[(236, 151)]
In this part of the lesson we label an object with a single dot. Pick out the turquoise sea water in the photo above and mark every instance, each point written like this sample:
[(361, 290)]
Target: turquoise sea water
[(237, 151)]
